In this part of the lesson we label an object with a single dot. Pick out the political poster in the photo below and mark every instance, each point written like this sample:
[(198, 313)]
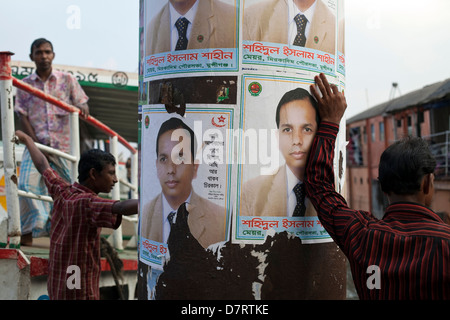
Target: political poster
[(227, 118)]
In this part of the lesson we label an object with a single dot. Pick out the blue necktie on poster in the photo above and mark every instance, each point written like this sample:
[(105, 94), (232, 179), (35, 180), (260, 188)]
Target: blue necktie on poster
[(181, 26), (301, 21), (300, 208)]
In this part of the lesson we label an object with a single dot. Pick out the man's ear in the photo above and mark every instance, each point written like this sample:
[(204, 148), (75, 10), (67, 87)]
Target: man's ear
[(195, 170), (427, 183), (93, 173)]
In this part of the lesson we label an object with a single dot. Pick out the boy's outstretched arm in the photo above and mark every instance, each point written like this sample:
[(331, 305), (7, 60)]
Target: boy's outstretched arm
[(126, 207), (39, 159)]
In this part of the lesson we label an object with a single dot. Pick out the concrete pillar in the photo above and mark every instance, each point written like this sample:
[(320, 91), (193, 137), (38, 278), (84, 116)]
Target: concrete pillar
[(225, 86)]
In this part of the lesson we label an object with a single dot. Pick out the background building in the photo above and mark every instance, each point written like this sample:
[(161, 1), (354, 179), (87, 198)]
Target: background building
[(424, 113)]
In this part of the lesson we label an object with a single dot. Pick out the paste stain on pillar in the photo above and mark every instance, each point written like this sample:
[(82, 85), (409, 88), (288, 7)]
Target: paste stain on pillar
[(172, 98), (280, 268)]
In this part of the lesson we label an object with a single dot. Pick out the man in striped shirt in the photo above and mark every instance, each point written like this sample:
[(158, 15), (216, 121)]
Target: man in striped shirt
[(78, 216), (405, 255)]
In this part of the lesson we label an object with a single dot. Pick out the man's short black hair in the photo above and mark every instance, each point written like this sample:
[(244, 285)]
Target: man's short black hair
[(173, 124), (404, 164), (296, 94), (38, 42), (94, 158)]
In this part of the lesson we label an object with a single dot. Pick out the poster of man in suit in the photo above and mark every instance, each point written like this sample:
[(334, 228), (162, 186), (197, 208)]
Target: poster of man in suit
[(268, 198), (190, 36), (182, 167), (211, 24), (297, 34), (275, 21)]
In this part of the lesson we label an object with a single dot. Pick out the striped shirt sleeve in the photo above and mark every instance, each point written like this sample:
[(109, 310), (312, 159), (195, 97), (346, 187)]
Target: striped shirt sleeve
[(331, 206)]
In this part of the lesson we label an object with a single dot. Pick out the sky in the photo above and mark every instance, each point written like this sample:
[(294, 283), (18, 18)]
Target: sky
[(387, 41)]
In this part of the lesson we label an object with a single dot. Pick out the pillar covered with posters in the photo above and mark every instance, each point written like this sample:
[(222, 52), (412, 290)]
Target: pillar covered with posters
[(224, 87)]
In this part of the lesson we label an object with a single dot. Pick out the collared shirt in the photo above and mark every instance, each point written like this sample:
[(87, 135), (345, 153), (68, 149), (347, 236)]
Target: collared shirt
[(78, 216), (50, 123), (405, 255), (167, 209), (293, 11), (291, 181), (174, 15)]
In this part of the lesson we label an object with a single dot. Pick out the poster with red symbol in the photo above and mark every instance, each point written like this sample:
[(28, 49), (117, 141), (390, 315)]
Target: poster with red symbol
[(274, 152), (185, 141), (215, 81)]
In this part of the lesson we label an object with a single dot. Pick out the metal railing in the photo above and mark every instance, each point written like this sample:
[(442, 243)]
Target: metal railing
[(10, 229), (440, 147)]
